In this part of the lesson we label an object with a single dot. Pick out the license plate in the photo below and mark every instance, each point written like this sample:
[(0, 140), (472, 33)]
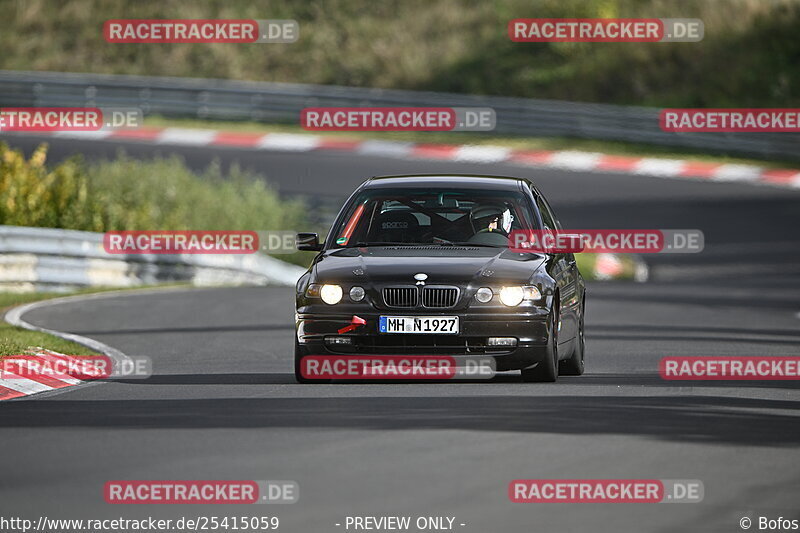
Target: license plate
[(419, 324)]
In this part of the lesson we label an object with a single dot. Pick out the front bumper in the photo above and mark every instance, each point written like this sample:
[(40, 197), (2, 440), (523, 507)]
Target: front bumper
[(529, 327)]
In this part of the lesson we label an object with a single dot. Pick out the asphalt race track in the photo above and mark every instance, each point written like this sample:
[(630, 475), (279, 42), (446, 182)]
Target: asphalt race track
[(223, 403)]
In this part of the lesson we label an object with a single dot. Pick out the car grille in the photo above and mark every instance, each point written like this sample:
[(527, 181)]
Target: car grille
[(418, 345), (439, 297), (400, 296)]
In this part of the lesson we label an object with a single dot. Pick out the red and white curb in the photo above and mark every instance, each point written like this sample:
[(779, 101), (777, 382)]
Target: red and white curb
[(15, 386), (563, 159), (12, 386)]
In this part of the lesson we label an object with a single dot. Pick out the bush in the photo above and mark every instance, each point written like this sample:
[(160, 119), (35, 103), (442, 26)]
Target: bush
[(32, 195), (165, 194), (126, 194)]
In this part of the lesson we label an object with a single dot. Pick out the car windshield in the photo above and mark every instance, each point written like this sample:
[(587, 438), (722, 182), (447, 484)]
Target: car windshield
[(442, 217)]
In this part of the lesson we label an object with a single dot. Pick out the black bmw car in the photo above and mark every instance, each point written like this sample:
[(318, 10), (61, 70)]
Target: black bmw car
[(421, 264)]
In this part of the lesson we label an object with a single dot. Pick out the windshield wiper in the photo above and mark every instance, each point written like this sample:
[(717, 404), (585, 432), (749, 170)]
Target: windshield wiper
[(378, 243), (477, 244), (445, 242), (439, 243)]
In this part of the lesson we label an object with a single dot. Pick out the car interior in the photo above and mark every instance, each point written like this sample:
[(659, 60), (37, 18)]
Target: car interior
[(442, 219)]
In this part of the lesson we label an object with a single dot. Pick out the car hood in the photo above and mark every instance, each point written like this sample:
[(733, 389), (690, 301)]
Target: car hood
[(458, 264)]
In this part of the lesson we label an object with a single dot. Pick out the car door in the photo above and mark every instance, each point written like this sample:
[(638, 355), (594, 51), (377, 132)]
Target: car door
[(565, 273)]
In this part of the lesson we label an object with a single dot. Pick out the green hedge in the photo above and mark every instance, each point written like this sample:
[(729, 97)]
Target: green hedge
[(127, 194)]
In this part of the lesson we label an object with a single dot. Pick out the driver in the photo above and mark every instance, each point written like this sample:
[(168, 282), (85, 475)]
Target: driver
[(491, 218)]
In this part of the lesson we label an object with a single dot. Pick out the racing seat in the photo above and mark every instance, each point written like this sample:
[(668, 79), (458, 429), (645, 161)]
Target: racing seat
[(395, 226)]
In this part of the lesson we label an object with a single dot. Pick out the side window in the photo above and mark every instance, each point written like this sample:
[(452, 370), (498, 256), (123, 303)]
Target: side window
[(547, 216)]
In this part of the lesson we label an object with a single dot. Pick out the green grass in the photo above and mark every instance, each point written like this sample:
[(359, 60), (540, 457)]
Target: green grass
[(587, 261), (14, 340), (515, 142), (748, 57), (585, 265)]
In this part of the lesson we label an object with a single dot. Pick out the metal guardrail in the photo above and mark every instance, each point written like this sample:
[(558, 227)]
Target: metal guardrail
[(54, 259), (282, 103)]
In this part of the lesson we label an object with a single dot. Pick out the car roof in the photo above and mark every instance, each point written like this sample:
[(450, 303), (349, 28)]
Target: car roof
[(468, 181)]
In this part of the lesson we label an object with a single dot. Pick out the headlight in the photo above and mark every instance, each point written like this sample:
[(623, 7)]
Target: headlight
[(331, 294), (513, 296), (484, 294), (357, 294)]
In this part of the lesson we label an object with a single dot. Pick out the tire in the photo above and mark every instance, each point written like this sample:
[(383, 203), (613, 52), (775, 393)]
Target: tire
[(574, 366), (547, 370), (299, 353)]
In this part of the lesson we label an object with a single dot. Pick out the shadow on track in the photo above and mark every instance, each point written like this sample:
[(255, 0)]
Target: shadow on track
[(695, 419), (590, 380)]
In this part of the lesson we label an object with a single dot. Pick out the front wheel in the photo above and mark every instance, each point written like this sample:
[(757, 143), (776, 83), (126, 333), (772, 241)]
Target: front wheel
[(547, 370)]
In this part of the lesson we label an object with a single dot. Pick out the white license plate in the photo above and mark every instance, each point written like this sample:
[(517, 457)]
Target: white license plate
[(419, 324)]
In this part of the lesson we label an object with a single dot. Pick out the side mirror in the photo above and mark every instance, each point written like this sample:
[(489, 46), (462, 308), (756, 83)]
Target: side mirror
[(308, 242)]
